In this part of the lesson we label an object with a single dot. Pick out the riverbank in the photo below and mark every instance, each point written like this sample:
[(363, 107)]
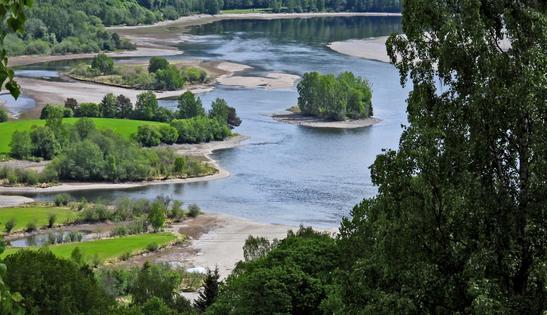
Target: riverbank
[(205, 150), (372, 48), (315, 122), (216, 240), (13, 201)]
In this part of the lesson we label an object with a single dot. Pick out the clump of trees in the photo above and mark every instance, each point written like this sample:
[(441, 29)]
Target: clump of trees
[(81, 152), (160, 74), (335, 97)]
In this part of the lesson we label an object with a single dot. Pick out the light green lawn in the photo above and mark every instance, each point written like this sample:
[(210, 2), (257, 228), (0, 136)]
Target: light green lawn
[(245, 11), (107, 249), (39, 215), (124, 127)]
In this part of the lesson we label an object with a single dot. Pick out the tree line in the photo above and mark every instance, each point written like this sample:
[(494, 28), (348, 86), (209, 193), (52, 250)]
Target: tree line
[(334, 97)]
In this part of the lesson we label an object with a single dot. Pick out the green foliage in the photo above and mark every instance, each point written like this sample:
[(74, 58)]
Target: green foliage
[(194, 75), (9, 225), (3, 115), (124, 108), (168, 134), (193, 210), (10, 301), (294, 278), (103, 64), (157, 63), (148, 136), (200, 129), (51, 285), (335, 98), (189, 106), (62, 199), (156, 215), (224, 113), (458, 222), (88, 110), (155, 281), (44, 143), (31, 226), (169, 79), (146, 106), (108, 106), (21, 145), (12, 19), (51, 220), (209, 292), (257, 247)]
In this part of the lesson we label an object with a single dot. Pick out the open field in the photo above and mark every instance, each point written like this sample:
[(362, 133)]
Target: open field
[(124, 127), (107, 249), (36, 214)]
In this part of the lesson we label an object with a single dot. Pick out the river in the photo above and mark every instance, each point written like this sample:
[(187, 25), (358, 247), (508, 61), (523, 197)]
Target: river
[(288, 174)]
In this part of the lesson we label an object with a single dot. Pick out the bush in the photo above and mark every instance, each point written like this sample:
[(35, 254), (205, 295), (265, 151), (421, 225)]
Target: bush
[(168, 134), (152, 247), (62, 200), (157, 63), (51, 220), (10, 224), (103, 63), (148, 136), (194, 75), (169, 79), (3, 115), (31, 226), (88, 110), (193, 211), (21, 145)]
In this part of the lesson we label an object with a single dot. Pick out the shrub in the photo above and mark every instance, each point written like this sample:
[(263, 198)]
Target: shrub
[(21, 145), (31, 226), (148, 136), (62, 200), (103, 63), (169, 79), (3, 115), (88, 110), (157, 63), (51, 220), (10, 224), (168, 134), (193, 211), (194, 75), (152, 247), (67, 113)]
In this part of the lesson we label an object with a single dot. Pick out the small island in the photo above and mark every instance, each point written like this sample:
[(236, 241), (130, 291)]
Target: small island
[(328, 101)]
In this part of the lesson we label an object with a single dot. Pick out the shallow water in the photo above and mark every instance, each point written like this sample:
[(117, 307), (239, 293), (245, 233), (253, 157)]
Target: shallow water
[(289, 174)]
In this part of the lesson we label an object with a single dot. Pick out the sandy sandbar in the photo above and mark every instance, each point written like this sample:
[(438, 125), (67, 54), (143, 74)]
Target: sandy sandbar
[(372, 48), (315, 122), (13, 201)]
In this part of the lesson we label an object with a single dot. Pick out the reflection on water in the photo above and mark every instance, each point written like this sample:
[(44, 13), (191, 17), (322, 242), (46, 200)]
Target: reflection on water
[(285, 173), (55, 237)]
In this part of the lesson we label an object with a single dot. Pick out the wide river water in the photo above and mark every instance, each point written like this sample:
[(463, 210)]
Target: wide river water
[(284, 173)]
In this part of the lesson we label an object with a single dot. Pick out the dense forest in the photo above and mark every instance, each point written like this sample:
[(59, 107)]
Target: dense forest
[(69, 26)]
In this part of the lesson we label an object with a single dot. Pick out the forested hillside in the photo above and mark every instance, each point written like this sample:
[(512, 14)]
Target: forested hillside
[(70, 26)]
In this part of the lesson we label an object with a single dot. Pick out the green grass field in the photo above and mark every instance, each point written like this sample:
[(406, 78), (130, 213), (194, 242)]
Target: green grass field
[(39, 215), (124, 127), (107, 249)]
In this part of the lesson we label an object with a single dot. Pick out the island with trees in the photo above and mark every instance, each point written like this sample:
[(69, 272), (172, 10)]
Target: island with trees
[(158, 75), (328, 101)]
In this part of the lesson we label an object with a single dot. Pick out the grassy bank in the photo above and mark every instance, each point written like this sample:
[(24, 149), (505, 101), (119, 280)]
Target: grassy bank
[(124, 127), (107, 249), (34, 214)]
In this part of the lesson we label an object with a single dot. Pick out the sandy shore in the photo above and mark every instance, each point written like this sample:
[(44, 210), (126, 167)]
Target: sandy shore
[(272, 80), (198, 149), (314, 122), (372, 48), (216, 240)]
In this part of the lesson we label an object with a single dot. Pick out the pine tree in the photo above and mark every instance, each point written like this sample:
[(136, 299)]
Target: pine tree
[(210, 290)]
